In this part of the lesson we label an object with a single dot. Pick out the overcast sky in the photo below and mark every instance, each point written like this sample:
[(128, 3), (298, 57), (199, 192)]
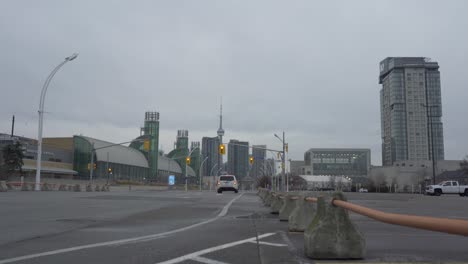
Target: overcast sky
[(309, 68)]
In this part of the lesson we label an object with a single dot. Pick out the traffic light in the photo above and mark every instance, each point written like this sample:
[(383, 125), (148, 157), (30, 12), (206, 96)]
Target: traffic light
[(286, 147), (187, 160), (109, 170), (95, 166), (251, 160), (222, 149), (279, 155), (89, 166), (146, 145)]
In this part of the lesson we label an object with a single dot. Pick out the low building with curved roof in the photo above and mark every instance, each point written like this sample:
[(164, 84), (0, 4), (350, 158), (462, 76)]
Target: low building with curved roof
[(124, 163)]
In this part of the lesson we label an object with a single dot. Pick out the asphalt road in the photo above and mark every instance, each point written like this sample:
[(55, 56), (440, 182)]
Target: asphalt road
[(193, 227)]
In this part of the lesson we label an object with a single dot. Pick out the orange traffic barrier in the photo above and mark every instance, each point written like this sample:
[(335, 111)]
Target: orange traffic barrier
[(445, 225)]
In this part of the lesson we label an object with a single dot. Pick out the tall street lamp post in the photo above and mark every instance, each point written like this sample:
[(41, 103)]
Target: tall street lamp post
[(41, 116), (283, 156)]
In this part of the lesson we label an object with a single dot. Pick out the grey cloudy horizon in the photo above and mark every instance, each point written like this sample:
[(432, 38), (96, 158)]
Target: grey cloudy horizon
[(309, 68)]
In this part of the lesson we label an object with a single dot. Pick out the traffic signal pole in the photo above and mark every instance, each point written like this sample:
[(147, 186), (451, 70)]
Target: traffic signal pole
[(283, 166)]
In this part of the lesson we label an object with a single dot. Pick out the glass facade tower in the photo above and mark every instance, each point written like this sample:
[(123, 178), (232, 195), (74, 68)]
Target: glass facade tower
[(411, 109)]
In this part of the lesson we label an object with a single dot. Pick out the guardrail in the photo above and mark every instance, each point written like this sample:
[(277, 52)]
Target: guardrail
[(331, 222)]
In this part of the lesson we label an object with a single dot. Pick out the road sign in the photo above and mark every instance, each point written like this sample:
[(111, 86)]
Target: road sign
[(171, 179)]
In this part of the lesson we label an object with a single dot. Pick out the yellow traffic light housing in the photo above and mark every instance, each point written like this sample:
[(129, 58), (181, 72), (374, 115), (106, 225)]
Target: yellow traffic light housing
[(222, 149), (95, 166), (251, 160), (89, 166), (187, 160)]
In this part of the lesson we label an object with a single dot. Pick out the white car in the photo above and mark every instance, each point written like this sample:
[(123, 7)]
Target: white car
[(227, 183), (447, 187), (363, 190)]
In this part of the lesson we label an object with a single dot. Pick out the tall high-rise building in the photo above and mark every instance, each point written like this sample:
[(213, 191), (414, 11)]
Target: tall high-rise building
[(210, 150), (238, 158), (411, 109), (259, 155)]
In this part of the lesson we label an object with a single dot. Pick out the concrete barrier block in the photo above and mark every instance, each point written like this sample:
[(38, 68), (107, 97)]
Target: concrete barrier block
[(70, 188), (103, 188), (62, 187), (3, 186), (97, 189), (32, 186), (331, 234), (10, 187), (302, 215), (107, 187), (276, 203), (260, 193), (89, 188), (289, 204), (45, 187), (268, 198), (77, 188)]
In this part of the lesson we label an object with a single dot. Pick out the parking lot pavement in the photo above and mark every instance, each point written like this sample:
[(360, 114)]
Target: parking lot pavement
[(193, 227)]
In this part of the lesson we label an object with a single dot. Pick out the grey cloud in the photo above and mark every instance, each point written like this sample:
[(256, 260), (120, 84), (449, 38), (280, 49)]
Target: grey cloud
[(309, 68)]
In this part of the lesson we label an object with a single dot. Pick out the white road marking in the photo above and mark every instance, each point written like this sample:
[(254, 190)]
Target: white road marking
[(269, 244), (212, 249), (207, 260), (121, 241)]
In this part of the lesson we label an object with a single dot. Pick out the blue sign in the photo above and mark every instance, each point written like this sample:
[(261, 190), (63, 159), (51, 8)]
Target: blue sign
[(171, 179)]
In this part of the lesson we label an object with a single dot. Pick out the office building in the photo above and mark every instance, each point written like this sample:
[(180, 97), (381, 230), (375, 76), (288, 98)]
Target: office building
[(354, 163), (238, 158), (411, 110), (210, 150), (258, 167)]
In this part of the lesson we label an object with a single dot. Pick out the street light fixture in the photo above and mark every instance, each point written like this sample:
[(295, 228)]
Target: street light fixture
[(41, 117), (283, 165)]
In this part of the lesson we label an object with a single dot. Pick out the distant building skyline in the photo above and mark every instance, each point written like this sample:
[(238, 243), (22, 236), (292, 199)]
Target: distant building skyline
[(210, 150), (352, 162), (238, 158), (259, 155), (410, 104)]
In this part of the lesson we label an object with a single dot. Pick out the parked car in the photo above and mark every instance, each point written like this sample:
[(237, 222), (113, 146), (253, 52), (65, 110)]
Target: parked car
[(447, 187), (362, 190), (227, 183)]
